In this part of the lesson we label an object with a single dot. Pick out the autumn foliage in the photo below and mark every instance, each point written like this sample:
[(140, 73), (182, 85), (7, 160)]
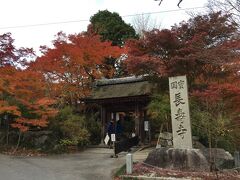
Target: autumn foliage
[(205, 48), (9, 55), (25, 90), (31, 91), (22, 92), (74, 63)]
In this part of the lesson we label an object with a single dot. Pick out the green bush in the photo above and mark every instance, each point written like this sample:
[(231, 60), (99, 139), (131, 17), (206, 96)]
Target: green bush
[(213, 125), (74, 129), (56, 122), (94, 128), (159, 112), (67, 142), (70, 128)]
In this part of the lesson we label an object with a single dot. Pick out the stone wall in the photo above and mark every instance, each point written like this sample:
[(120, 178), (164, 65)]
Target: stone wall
[(32, 139)]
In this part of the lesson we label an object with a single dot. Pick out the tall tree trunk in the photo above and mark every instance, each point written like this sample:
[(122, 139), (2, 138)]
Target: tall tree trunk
[(18, 143), (7, 132)]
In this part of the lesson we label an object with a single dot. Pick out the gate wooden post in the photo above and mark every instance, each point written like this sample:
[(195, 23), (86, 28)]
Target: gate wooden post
[(137, 123), (103, 121)]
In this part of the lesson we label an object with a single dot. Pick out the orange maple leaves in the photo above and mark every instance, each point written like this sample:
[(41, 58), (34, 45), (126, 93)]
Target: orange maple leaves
[(27, 89), (6, 108), (64, 72), (74, 63)]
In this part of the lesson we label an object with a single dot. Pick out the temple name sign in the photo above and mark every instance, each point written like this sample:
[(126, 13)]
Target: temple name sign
[(181, 125)]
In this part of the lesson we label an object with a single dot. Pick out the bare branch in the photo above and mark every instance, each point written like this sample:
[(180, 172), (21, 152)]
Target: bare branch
[(143, 23), (231, 7), (160, 2), (179, 3)]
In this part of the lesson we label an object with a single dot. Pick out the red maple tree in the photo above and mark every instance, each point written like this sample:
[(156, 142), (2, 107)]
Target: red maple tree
[(10, 55), (73, 64), (205, 48), (22, 91)]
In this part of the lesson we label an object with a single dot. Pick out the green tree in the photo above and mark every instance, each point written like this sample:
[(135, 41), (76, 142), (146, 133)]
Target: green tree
[(111, 27), (159, 111), (93, 125), (71, 127), (215, 115)]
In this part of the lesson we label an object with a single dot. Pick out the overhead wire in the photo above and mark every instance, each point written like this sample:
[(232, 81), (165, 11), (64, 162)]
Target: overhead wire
[(85, 20)]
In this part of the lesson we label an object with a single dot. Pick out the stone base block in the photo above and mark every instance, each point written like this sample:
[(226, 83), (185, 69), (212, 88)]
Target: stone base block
[(179, 159)]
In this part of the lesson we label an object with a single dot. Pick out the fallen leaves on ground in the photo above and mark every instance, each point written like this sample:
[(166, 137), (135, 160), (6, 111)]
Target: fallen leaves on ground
[(22, 152), (141, 169)]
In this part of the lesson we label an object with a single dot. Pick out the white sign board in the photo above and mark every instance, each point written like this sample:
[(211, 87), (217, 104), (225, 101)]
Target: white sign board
[(146, 125), (181, 126), (113, 138), (133, 134), (117, 116), (106, 139)]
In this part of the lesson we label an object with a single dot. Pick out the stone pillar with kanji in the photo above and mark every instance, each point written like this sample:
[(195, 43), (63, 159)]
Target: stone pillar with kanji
[(181, 125)]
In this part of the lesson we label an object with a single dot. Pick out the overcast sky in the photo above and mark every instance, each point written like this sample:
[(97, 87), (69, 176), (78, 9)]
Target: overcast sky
[(16, 13)]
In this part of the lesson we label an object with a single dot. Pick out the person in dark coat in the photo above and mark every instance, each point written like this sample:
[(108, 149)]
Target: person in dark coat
[(119, 129), (111, 128)]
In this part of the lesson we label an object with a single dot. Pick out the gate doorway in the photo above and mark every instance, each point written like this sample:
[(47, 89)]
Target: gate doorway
[(123, 99)]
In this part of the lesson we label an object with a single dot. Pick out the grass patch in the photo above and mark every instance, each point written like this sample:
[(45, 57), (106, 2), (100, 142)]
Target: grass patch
[(120, 171)]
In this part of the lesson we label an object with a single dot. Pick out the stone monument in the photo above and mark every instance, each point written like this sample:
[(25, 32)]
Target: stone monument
[(181, 126), (182, 156)]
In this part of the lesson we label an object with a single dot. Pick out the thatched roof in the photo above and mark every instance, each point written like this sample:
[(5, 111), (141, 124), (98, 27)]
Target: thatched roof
[(121, 87)]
